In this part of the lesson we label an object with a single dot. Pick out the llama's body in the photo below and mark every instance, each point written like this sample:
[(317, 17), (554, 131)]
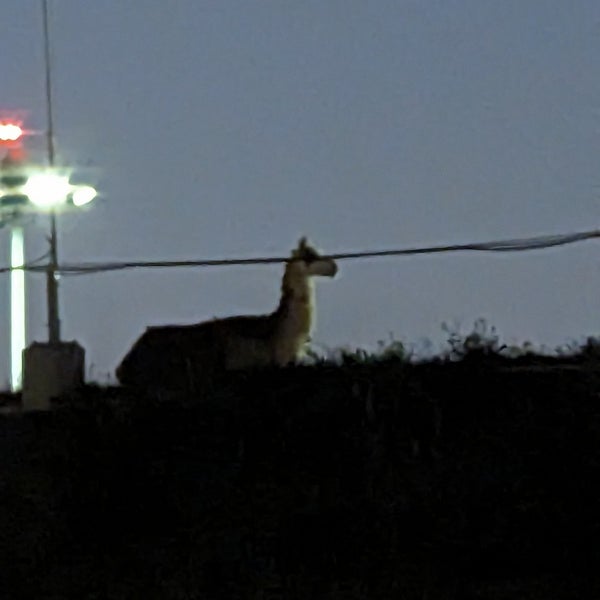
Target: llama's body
[(181, 355)]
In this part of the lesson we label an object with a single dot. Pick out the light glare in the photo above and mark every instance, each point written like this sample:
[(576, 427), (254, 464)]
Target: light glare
[(83, 195), (10, 132), (17, 308), (47, 190)]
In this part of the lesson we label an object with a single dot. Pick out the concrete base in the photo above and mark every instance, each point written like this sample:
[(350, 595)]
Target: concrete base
[(49, 371)]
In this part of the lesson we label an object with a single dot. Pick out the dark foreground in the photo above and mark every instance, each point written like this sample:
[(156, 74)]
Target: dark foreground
[(472, 479)]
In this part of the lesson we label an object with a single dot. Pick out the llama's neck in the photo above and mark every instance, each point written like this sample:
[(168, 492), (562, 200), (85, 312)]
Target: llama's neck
[(295, 314)]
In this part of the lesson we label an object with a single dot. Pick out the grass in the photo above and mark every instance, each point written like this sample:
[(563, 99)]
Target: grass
[(473, 474)]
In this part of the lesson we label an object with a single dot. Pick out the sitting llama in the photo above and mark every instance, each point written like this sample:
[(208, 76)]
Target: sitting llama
[(178, 356)]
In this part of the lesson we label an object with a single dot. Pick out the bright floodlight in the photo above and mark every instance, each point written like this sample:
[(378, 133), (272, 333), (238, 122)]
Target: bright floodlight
[(47, 190), (83, 194), (10, 132)]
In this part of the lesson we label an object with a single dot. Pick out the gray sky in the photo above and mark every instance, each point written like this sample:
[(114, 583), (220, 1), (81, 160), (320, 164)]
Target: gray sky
[(229, 128)]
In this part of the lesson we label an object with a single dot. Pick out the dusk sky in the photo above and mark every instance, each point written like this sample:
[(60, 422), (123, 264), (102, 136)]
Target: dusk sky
[(223, 128)]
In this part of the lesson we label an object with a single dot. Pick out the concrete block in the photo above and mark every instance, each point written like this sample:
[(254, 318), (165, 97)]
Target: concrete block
[(50, 371)]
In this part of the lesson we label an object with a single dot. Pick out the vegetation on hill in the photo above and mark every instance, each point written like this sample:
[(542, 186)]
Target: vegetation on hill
[(470, 475)]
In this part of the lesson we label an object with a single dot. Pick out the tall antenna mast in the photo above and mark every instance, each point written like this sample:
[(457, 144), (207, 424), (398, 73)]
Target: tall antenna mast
[(49, 115)]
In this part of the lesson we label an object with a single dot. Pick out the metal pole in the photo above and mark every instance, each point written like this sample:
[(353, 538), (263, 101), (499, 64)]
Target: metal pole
[(17, 308), (52, 286), (51, 281)]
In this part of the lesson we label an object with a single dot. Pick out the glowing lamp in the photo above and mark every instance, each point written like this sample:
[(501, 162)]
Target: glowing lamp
[(82, 195), (47, 190), (10, 132)]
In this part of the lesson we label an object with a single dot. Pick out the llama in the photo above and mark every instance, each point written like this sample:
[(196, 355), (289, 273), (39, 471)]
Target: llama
[(176, 356)]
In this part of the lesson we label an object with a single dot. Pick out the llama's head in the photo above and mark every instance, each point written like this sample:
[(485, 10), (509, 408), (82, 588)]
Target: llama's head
[(310, 262)]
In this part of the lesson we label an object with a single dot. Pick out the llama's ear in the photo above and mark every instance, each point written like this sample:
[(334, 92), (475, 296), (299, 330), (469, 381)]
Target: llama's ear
[(299, 250)]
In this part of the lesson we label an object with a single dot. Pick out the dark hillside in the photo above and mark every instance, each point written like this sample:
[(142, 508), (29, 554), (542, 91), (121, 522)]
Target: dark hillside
[(477, 478)]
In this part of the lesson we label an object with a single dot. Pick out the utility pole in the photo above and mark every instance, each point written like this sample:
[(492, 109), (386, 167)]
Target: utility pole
[(52, 286), (51, 281), (53, 368)]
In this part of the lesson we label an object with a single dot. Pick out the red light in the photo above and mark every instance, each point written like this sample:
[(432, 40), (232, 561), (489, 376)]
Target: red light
[(10, 132)]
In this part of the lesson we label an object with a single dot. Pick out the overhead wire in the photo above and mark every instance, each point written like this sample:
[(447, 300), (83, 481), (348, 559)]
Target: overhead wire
[(29, 266), (509, 245)]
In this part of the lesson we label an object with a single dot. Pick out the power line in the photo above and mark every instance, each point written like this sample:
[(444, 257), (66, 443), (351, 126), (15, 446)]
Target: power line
[(30, 266), (511, 245)]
